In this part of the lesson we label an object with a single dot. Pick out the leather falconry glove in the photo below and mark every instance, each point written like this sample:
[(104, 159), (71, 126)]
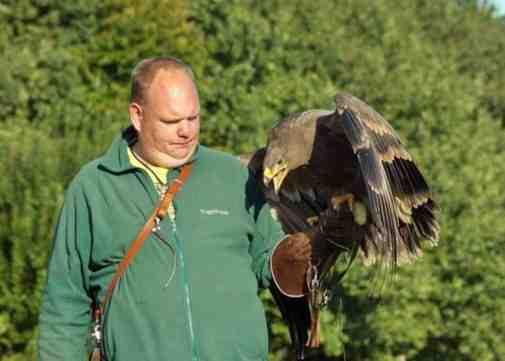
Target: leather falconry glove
[(289, 263)]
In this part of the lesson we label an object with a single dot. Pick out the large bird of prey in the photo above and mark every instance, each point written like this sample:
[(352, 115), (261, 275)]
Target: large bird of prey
[(345, 177)]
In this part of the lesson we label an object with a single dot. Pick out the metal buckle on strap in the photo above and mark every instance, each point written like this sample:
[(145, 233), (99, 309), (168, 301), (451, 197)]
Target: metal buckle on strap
[(156, 227)]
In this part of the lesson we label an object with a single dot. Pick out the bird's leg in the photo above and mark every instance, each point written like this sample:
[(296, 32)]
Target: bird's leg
[(318, 299), (337, 200), (314, 337)]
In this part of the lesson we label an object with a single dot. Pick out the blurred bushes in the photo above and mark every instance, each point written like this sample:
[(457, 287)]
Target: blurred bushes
[(434, 69)]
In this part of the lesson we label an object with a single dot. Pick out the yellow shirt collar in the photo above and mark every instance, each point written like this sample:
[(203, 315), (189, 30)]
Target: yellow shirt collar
[(160, 172)]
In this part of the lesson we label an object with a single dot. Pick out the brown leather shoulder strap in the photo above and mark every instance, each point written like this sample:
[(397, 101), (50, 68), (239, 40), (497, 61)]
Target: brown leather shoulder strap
[(158, 214)]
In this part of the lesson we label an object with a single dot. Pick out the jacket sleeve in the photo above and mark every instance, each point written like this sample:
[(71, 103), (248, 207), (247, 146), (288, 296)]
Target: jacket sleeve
[(268, 233), (65, 310)]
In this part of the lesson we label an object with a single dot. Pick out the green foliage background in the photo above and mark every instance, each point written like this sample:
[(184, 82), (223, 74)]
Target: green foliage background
[(435, 69)]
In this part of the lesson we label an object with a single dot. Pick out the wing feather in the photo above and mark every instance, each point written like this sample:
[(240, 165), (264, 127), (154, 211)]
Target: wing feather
[(381, 202), (412, 206)]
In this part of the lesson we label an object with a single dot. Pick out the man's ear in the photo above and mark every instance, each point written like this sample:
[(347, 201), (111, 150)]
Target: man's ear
[(136, 115)]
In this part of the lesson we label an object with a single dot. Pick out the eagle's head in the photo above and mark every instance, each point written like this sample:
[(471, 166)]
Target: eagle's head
[(289, 146), (275, 167)]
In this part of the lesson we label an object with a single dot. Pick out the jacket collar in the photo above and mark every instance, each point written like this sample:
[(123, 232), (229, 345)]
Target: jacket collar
[(115, 160)]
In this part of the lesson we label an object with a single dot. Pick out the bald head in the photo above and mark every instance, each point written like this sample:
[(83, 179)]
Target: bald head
[(145, 71), (172, 92)]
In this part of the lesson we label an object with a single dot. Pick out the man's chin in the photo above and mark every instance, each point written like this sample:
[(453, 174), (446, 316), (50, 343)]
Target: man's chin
[(181, 156)]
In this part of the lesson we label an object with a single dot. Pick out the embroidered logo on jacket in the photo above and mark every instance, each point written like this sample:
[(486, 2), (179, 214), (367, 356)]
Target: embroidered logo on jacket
[(214, 212)]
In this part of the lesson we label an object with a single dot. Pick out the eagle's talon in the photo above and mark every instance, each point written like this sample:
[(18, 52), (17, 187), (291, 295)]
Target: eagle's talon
[(337, 200)]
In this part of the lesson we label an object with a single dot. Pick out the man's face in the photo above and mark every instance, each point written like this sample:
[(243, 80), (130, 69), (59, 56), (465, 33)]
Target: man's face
[(168, 123)]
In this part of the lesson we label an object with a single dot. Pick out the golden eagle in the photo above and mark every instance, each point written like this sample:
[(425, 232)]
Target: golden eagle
[(344, 177)]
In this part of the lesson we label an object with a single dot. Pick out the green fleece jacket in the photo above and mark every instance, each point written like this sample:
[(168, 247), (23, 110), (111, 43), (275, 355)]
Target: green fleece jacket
[(219, 244)]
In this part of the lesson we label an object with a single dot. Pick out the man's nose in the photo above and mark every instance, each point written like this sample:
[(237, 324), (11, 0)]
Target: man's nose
[(184, 128)]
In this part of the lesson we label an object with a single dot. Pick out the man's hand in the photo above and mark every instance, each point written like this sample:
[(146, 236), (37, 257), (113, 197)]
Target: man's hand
[(289, 263)]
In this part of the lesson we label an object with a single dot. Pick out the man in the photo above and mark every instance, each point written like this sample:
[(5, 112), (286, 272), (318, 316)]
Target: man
[(190, 294)]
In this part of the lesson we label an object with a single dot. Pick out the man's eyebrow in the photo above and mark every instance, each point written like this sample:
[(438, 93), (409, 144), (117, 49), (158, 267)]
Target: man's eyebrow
[(175, 120)]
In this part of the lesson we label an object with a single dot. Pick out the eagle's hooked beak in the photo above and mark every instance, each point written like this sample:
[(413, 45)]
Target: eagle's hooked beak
[(277, 174)]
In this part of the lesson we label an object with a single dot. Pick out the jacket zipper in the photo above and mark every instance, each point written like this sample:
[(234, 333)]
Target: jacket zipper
[(178, 247), (187, 294)]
